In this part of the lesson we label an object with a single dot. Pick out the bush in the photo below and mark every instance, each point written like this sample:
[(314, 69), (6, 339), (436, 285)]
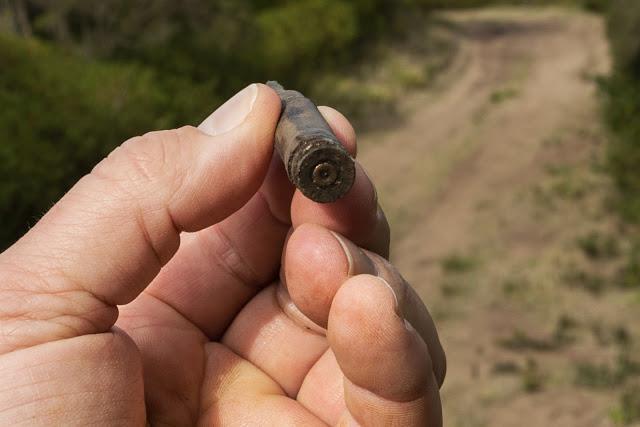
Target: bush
[(303, 36), (622, 105), (91, 79), (624, 35), (61, 114), (628, 410)]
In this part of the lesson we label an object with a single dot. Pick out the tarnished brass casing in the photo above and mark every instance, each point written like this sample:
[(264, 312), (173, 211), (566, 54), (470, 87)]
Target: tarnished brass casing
[(316, 162)]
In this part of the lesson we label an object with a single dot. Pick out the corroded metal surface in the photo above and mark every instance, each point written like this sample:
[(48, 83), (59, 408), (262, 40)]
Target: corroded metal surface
[(315, 160)]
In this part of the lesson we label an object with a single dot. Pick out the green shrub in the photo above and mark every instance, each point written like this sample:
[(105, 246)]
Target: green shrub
[(95, 78), (624, 34), (622, 109), (628, 410), (91, 78), (622, 106), (304, 35), (630, 273), (60, 115)]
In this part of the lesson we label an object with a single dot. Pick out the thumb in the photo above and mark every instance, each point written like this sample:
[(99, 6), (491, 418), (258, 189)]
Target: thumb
[(109, 236)]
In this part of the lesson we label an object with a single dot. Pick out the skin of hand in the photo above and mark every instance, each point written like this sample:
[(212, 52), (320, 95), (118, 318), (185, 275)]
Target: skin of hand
[(184, 282)]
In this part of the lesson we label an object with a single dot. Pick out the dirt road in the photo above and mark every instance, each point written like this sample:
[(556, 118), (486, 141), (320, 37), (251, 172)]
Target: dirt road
[(491, 184)]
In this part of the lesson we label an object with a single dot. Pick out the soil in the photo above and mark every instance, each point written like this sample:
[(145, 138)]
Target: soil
[(495, 190)]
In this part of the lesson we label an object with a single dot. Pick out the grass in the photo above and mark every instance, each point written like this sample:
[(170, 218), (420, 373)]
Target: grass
[(532, 377), (507, 367), (629, 276), (555, 140), (454, 287), (564, 332), (607, 375), (596, 376), (501, 95), (562, 335), (628, 409), (613, 374), (579, 278), (455, 267), (557, 170), (598, 246), (568, 186), (607, 336), (564, 183), (369, 93), (457, 264), (520, 341), (621, 336), (515, 285)]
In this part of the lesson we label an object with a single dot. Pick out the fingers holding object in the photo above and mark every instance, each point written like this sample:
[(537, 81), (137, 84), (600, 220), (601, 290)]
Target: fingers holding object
[(278, 190), (284, 324), (281, 336), (357, 215), (317, 264), (341, 128), (218, 269)]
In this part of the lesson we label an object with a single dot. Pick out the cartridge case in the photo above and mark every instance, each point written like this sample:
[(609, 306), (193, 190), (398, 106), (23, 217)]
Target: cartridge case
[(316, 162)]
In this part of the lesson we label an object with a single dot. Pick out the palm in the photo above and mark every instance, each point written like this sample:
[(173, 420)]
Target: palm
[(182, 368)]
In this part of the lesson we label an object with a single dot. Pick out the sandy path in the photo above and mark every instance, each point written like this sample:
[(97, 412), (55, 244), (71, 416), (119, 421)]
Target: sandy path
[(455, 177), (458, 148)]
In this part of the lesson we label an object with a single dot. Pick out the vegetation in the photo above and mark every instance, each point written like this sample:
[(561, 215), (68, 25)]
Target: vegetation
[(623, 104), (622, 109), (605, 375), (562, 335), (630, 273), (532, 377), (502, 95), (457, 263), (60, 115), (596, 245), (82, 78), (628, 410), (79, 78)]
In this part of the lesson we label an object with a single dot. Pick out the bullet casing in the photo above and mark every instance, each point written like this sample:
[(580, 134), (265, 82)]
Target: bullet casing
[(316, 162)]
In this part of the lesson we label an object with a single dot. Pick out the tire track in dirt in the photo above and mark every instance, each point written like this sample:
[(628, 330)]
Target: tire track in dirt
[(453, 176), (458, 148)]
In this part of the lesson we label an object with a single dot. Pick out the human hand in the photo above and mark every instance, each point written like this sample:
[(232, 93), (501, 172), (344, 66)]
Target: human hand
[(150, 293)]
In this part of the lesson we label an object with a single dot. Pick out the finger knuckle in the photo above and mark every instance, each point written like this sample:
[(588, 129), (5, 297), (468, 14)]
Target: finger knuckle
[(143, 163)]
